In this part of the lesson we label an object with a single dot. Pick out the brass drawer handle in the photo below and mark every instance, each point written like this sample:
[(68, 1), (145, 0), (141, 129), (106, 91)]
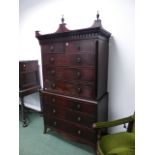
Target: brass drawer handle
[(54, 111), (52, 48), (53, 100), (24, 65), (53, 72), (67, 44), (54, 123), (78, 74), (78, 60), (52, 59), (78, 47), (79, 132), (78, 106), (53, 85), (78, 89), (78, 118)]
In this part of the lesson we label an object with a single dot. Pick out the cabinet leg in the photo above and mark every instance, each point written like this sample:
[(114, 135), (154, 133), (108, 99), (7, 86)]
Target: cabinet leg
[(23, 113), (45, 129), (41, 104), (97, 152)]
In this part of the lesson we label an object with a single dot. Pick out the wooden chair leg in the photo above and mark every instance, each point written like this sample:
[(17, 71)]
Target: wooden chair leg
[(25, 123)]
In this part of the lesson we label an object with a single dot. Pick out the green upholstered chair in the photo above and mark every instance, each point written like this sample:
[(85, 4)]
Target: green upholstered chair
[(122, 143)]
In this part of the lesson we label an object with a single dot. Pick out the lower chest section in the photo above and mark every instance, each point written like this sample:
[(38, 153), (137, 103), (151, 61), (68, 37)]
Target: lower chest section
[(73, 117)]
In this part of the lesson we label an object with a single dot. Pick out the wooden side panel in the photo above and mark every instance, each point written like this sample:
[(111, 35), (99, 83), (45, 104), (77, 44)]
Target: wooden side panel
[(102, 68)]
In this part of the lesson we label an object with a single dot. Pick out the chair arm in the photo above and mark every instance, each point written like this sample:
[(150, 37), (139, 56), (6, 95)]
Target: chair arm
[(113, 123)]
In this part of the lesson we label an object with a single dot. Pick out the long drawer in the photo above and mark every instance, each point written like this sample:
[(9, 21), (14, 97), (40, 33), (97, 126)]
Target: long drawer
[(70, 115), (71, 104), (78, 89), (61, 59), (28, 66), (69, 73), (71, 128), (69, 46)]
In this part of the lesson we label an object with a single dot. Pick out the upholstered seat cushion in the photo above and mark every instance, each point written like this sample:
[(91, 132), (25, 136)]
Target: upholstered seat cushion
[(118, 144)]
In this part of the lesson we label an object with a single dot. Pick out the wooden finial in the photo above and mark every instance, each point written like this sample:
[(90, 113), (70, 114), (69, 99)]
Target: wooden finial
[(62, 26), (37, 33), (97, 16), (62, 19)]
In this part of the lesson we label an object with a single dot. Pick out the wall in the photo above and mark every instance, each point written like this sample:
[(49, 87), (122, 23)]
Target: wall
[(117, 17)]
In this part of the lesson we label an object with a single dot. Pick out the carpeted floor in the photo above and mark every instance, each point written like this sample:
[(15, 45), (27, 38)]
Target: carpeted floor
[(32, 141)]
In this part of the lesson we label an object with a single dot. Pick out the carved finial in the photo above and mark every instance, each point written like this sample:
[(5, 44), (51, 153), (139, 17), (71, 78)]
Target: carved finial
[(97, 23), (62, 26), (37, 33), (97, 16), (62, 19)]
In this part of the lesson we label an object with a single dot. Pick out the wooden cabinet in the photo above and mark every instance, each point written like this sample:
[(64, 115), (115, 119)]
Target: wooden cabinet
[(75, 69), (29, 82)]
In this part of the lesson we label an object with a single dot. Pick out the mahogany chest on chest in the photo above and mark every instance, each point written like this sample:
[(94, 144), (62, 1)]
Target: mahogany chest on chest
[(75, 69)]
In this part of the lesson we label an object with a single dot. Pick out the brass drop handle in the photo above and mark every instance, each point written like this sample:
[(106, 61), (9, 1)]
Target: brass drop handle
[(78, 89), (78, 47), (79, 132), (67, 44), (78, 106), (54, 123), (53, 100), (52, 48), (52, 59), (78, 118), (78, 74), (78, 60), (53, 72), (53, 85), (54, 111)]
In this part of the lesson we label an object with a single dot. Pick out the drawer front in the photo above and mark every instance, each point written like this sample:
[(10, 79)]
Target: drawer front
[(72, 104), (28, 66), (28, 79), (70, 115), (69, 46), (55, 47), (71, 74), (71, 128), (85, 59), (81, 46), (78, 90)]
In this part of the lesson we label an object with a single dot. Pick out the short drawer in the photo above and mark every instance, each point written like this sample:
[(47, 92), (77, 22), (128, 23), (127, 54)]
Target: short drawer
[(28, 79), (81, 46), (83, 90), (71, 128), (85, 59), (72, 104), (70, 115), (53, 47), (28, 66), (71, 74)]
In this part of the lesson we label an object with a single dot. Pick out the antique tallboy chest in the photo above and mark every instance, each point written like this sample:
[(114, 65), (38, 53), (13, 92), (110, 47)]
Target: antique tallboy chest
[(75, 69)]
